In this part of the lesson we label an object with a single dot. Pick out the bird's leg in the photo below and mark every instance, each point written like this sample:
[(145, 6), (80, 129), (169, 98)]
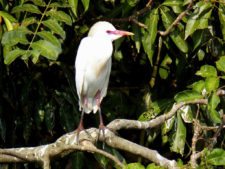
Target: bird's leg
[(101, 127), (101, 123), (80, 126)]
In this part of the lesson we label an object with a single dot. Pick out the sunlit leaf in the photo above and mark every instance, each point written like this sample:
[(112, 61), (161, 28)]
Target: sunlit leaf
[(166, 127), (12, 55), (135, 166), (60, 16), (216, 157), (200, 54), (221, 14), (8, 16), (49, 37), (73, 4), (149, 36), (154, 166), (137, 37), (207, 71), (39, 2), (214, 100), (14, 37), (187, 95), (85, 4), (198, 86), (180, 137), (176, 5), (186, 113), (35, 55), (54, 26), (26, 8), (176, 35), (220, 64), (28, 21), (199, 18), (8, 24), (212, 83), (47, 49)]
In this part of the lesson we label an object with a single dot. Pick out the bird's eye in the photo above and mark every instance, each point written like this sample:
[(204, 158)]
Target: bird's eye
[(110, 32)]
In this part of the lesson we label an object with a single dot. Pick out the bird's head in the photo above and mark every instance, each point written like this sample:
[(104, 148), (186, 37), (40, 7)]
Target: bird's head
[(103, 28)]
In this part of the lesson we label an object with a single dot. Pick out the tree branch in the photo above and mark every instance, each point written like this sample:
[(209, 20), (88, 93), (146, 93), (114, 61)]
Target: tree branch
[(87, 138), (177, 20)]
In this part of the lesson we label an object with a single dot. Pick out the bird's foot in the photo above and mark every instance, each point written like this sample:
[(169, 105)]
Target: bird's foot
[(102, 129), (78, 130)]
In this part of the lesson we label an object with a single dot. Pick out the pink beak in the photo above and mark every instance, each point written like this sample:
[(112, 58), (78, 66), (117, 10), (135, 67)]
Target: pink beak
[(120, 32)]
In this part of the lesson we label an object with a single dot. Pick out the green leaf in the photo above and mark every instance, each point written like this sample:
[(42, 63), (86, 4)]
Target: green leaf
[(178, 142), (149, 36), (14, 37), (102, 160), (187, 95), (199, 18), (85, 4), (176, 34), (176, 5), (49, 37), (164, 68), (166, 128), (135, 166), (221, 14), (220, 64), (200, 54), (155, 108), (214, 100), (35, 55), (172, 3), (207, 71), (26, 8), (46, 49), (8, 16), (198, 38), (73, 4), (28, 21), (216, 157), (186, 113), (60, 16), (39, 2), (154, 166), (54, 26), (198, 86), (137, 37), (12, 55), (212, 84)]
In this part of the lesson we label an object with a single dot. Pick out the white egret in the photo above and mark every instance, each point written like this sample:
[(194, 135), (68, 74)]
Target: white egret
[(93, 66)]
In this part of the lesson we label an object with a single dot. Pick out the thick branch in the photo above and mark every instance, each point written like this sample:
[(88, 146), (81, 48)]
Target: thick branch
[(134, 124), (87, 138)]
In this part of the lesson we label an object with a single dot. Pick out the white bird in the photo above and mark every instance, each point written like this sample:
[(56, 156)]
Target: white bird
[(93, 66)]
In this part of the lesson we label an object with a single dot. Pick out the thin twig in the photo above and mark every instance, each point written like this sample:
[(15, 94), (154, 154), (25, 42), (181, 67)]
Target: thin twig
[(176, 21), (133, 18)]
